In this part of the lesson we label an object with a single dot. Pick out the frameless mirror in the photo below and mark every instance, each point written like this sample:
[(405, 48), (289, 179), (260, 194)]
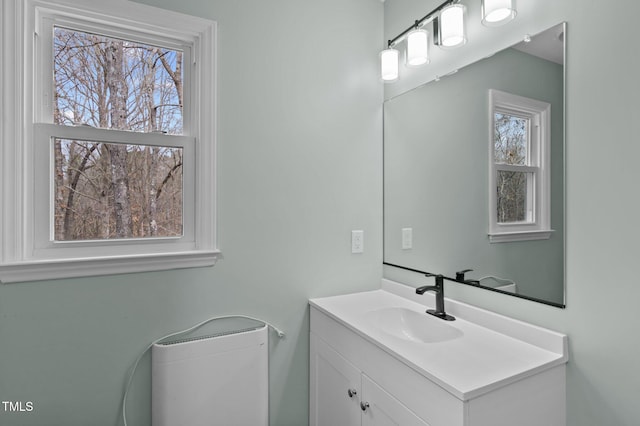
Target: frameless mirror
[(440, 149)]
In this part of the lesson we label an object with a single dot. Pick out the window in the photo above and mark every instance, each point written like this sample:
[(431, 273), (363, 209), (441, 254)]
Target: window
[(109, 156), (519, 168)]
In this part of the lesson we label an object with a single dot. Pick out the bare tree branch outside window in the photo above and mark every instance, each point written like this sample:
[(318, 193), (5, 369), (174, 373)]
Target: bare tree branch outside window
[(115, 190), (511, 147)]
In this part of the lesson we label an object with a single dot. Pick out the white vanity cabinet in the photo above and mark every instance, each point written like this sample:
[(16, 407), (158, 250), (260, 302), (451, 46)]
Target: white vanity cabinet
[(495, 373), (342, 395), (336, 387)]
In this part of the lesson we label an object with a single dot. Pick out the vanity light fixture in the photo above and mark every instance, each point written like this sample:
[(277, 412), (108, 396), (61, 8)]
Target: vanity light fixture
[(417, 37), (389, 64), (450, 28), (417, 47), (449, 31), (498, 12)]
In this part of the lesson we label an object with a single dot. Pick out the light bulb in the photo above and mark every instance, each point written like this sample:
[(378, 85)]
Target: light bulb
[(497, 12), (389, 65), (417, 48), (451, 26)]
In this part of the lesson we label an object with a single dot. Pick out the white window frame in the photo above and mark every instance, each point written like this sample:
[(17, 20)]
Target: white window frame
[(537, 226), (28, 251)]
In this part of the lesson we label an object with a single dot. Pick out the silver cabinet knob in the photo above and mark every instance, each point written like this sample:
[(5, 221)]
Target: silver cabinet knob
[(352, 393), (364, 406)]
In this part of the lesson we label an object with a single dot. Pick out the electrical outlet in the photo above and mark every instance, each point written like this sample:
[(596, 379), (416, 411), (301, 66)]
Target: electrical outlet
[(357, 241), (407, 238)]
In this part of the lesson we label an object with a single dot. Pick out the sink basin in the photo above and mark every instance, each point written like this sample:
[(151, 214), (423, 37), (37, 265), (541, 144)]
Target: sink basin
[(411, 325)]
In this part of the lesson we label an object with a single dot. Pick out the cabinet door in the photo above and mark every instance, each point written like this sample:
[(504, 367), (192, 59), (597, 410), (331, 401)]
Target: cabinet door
[(381, 409), (334, 387)]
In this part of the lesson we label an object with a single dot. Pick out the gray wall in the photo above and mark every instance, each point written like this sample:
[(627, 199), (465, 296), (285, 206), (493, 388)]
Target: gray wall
[(300, 151), (436, 161), (601, 318)]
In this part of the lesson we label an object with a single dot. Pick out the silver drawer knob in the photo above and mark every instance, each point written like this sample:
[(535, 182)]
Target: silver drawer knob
[(352, 393), (364, 406)]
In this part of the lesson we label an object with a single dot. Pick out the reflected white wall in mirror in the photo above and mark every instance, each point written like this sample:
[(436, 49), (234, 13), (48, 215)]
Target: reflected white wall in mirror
[(436, 172)]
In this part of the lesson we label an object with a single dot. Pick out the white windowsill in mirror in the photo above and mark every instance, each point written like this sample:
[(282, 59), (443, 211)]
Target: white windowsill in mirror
[(506, 237)]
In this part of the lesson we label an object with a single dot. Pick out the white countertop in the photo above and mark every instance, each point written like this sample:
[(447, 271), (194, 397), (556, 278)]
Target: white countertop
[(493, 350)]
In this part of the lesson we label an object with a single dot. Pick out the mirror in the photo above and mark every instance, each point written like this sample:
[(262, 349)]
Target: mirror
[(438, 149)]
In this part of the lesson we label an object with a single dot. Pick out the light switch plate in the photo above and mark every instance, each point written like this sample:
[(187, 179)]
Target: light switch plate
[(407, 238), (357, 241)]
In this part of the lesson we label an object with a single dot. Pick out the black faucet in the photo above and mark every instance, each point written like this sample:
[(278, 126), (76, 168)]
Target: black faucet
[(460, 278), (438, 289)]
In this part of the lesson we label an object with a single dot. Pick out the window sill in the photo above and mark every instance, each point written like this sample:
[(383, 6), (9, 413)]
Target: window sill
[(73, 268), (507, 237)]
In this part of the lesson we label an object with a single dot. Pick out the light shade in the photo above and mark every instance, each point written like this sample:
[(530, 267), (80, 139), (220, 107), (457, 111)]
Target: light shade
[(417, 48), (451, 30), (497, 12), (389, 65)]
